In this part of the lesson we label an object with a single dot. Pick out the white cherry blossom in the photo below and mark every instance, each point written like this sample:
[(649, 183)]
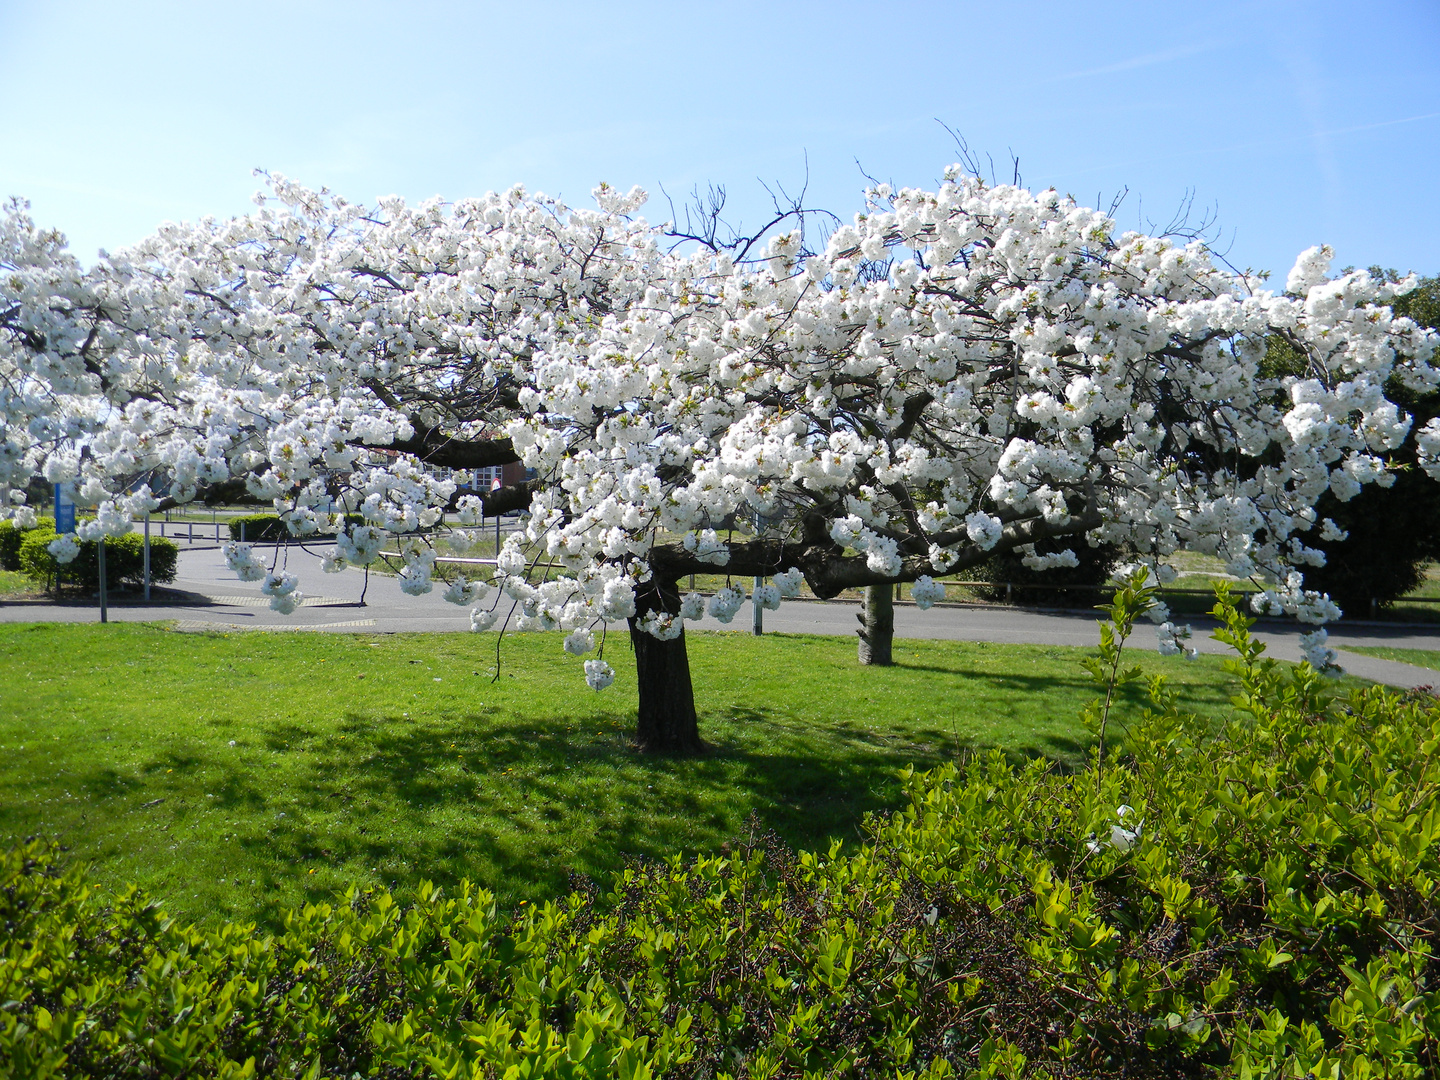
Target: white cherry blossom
[(926, 592), (64, 548)]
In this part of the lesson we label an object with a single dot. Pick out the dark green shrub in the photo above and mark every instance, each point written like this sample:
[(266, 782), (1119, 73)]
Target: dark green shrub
[(1041, 588), (124, 560), (11, 538), (1263, 907), (269, 529), (1393, 533), (258, 528)]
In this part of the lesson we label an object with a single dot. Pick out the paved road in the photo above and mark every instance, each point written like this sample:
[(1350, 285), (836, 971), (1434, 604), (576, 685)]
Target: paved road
[(212, 599)]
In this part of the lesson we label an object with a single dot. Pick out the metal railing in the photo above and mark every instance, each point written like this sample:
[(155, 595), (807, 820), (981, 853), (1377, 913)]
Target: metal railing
[(186, 530)]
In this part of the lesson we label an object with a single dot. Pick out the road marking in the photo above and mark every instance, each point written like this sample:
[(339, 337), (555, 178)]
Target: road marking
[(262, 601), (207, 624)]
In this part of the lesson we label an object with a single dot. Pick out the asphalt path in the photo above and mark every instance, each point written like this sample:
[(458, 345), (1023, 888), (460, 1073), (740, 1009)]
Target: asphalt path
[(207, 596)]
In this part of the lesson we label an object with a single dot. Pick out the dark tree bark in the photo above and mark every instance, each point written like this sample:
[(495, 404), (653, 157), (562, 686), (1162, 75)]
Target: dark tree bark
[(829, 571), (667, 722), (877, 625)]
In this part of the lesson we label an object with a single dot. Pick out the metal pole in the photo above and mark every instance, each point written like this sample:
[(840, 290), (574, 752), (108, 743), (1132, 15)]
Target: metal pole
[(104, 609), (497, 536), (758, 625), (147, 556)]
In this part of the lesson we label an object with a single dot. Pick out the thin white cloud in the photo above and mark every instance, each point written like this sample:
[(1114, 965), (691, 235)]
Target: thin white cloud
[(1146, 60), (1250, 144), (1379, 124)]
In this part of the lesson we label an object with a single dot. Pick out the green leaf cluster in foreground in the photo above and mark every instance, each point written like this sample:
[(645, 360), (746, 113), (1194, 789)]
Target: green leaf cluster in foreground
[(1257, 901)]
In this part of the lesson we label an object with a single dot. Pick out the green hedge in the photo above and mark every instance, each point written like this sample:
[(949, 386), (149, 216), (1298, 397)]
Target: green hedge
[(124, 560), (269, 529), (1267, 909), (11, 539)]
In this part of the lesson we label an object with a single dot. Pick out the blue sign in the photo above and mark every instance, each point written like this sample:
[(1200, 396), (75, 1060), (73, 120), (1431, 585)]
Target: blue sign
[(64, 510)]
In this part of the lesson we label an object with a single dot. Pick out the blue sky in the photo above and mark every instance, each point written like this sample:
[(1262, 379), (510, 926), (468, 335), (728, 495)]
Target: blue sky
[(1296, 123)]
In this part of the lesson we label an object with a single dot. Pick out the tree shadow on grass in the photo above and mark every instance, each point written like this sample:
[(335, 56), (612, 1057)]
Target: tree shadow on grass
[(519, 806), (298, 811), (1192, 695)]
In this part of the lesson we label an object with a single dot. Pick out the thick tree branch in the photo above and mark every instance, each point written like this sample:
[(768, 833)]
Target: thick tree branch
[(435, 448), (502, 500), (829, 573), (230, 493)]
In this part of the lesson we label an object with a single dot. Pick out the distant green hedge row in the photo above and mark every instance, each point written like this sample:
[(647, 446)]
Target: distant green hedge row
[(124, 559), (269, 529), (12, 537), (1264, 906)]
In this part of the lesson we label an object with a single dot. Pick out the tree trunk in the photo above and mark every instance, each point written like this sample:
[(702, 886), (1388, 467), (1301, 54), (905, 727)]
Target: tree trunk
[(877, 625), (667, 723)]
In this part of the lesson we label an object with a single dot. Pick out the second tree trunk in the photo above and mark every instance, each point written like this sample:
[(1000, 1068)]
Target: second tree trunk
[(877, 625)]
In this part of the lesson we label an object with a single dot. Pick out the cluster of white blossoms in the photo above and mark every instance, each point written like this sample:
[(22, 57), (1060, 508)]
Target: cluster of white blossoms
[(926, 592), (1172, 640), (359, 546), (1291, 599), (283, 590), (766, 597), (465, 592), (64, 549), (1125, 833), (726, 602), (960, 372), (416, 576), (598, 674), (243, 562), (661, 625), (579, 642), (1319, 655), (983, 529), (789, 582), (707, 547), (1034, 561)]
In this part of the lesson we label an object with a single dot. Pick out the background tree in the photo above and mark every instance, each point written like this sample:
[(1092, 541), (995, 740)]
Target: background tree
[(1392, 532)]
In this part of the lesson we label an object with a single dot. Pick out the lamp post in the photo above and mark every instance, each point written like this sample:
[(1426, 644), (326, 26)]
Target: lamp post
[(147, 556), (100, 557)]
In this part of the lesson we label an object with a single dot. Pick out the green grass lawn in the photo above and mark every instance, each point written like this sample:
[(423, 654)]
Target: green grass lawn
[(1419, 657), (13, 583), (234, 775), (1412, 606)]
